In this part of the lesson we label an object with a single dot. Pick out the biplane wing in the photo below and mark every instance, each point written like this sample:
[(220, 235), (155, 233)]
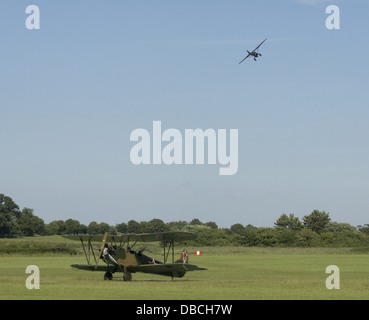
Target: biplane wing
[(177, 269), (143, 237), (91, 267)]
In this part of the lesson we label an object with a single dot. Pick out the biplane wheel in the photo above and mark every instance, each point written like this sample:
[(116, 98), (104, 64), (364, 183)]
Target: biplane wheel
[(127, 276), (108, 276)]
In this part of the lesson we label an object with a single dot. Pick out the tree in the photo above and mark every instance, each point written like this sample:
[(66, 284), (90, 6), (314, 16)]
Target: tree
[(98, 228), (177, 225), (195, 222), (133, 226), (238, 228), (122, 227), (364, 228), (29, 224), (266, 237), (285, 237), (305, 237), (288, 222), (211, 224), (338, 227), (56, 227), (72, 226), (9, 213), (157, 225), (250, 236), (316, 221)]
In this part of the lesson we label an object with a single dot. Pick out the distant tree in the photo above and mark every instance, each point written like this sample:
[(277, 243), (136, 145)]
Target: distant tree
[(122, 227), (238, 228), (29, 224), (364, 228), (157, 225), (285, 237), (288, 222), (250, 237), (98, 228), (207, 236), (93, 228), (316, 221), (143, 226), (82, 229), (338, 227), (177, 225), (112, 230), (306, 237), (72, 226), (133, 227), (211, 224), (195, 222), (9, 213), (266, 237), (56, 227)]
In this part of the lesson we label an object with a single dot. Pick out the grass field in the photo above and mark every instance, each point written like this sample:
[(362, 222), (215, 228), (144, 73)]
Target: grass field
[(233, 274)]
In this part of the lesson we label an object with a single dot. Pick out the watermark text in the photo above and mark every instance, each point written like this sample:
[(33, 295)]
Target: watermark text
[(195, 146)]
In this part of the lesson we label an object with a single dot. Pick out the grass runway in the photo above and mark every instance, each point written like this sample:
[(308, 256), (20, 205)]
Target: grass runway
[(233, 274)]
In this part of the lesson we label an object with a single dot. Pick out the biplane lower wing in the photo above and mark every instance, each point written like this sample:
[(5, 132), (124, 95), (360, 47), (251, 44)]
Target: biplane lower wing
[(164, 268), (91, 267)]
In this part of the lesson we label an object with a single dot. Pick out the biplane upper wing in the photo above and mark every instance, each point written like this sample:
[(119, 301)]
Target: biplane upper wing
[(165, 236), (98, 238), (143, 237)]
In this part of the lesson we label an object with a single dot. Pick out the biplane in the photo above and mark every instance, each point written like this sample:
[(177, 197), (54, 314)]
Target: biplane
[(118, 254), (254, 53)]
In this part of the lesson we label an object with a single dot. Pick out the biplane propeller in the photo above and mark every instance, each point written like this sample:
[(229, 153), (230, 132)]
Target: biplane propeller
[(119, 256)]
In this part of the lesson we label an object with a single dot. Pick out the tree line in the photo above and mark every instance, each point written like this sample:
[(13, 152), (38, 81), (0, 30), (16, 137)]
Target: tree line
[(313, 230)]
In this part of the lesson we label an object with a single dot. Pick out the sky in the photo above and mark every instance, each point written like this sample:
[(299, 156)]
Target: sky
[(73, 91)]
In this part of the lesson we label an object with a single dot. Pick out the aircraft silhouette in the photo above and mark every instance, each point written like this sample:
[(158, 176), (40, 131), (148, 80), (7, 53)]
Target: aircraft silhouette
[(254, 53)]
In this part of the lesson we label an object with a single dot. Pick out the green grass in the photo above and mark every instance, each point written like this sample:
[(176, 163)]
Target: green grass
[(233, 274)]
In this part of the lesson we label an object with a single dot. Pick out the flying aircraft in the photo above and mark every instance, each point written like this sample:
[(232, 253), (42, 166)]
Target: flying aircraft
[(254, 53), (119, 255)]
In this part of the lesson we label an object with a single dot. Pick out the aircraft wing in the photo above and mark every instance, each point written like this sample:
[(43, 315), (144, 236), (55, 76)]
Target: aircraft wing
[(165, 236), (97, 238), (143, 237), (260, 45), (164, 268), (91, 267), (244, 58)]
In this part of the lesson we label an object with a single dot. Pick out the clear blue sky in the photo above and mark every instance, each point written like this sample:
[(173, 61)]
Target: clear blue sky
[(73, 91)]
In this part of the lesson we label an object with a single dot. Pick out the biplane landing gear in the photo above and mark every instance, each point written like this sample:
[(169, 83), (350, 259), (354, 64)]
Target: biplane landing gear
[(127, 276), (108, 276)]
